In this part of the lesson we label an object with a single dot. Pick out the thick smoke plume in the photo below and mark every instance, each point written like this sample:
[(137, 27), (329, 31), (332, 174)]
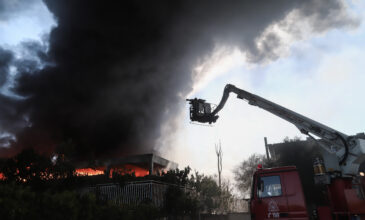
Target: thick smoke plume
[(115, 72)]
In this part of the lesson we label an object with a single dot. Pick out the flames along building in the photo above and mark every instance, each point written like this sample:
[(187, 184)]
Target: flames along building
[(140, 165), (131, 193)]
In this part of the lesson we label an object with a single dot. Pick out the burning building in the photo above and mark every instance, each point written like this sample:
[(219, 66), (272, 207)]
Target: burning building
[(141, 165), (132, 193)]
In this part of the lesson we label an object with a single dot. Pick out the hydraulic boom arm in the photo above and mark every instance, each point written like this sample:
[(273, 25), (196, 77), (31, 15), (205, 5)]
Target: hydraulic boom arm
[(341, 152)]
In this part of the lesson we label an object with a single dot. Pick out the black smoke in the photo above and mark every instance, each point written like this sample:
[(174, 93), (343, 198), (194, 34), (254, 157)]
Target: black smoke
[(6, 57), (115, 71)]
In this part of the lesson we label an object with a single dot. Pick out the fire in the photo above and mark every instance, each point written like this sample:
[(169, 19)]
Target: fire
[(89, 171), (125, 169), (129, 169)]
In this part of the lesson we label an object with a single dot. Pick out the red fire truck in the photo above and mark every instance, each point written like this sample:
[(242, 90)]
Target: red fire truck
[(277, 193)]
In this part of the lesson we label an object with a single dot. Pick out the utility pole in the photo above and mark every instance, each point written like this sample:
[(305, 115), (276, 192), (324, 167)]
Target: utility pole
[(218, 151)]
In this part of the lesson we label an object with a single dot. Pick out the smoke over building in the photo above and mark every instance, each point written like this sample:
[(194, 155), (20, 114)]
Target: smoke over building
[(109, 75)]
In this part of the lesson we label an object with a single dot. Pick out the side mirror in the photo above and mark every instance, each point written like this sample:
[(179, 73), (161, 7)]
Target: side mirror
[(259, 183), (260, 188)]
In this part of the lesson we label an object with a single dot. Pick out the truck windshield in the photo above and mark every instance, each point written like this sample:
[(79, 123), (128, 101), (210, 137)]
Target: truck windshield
[(270, 186)]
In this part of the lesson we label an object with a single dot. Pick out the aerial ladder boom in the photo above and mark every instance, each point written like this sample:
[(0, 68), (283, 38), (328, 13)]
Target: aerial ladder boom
[(342, 154)]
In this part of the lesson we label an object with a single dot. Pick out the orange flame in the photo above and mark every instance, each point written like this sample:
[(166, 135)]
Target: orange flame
[(89, 171), (129, 169), (125, 169)]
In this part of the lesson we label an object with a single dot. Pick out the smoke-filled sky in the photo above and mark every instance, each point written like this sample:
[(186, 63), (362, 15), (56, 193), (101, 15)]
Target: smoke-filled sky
[(113, 77)]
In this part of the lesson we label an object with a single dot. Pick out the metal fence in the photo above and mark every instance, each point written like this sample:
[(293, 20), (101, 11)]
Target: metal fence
[(132, 193)]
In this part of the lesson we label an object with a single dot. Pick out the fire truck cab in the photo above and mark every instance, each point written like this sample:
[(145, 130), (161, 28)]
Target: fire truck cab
[(277, 194)]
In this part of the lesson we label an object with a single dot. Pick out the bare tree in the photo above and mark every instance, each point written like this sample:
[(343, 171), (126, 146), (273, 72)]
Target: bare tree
[(218, 151)]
